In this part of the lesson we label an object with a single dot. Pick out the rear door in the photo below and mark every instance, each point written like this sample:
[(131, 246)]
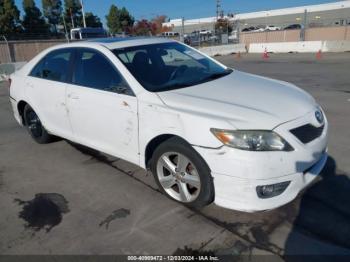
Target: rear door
[(46, 91), (102, 107)]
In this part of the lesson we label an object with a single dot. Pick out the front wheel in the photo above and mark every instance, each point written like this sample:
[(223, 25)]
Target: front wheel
[(34, 126), (182, 174)]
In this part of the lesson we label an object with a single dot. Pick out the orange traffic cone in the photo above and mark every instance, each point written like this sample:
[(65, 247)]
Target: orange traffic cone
[(265, 54), (319, 55)]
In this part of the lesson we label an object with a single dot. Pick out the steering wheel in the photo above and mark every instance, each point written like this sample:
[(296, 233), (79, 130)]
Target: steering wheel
[(177, 71)]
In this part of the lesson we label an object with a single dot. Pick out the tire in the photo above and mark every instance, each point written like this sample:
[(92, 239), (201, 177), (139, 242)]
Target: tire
[(191, 174), (34, 126)]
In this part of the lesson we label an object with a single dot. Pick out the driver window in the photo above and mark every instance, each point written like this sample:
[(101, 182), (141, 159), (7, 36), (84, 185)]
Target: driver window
[(93, 70)]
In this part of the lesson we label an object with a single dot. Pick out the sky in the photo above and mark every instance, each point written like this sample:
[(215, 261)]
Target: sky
[(188, 9)]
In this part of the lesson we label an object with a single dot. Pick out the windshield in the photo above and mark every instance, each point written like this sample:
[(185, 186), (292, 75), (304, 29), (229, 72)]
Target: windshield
[(168, 66)]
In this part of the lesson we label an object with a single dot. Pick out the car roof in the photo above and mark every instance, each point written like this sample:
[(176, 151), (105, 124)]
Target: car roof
[(122, 42), (109, 43)]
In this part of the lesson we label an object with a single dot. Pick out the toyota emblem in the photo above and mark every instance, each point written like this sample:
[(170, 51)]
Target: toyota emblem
[(319, 116)]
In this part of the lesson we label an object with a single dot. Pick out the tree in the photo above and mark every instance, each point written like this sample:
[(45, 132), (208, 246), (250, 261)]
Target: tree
[(158, 23), (126, 20), (223, 26), (153, 27), (53, 11), (113, 19), (73, 14), (33, 21), (9, 18), (119, 20), (144, 28), (92, 20)]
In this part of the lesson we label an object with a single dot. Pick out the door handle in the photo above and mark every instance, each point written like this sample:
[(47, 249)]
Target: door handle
[(30, 84), (73, 96)]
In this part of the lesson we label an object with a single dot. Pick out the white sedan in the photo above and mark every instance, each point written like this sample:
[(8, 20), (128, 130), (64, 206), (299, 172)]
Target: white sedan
[(207, 132), (272, 28)]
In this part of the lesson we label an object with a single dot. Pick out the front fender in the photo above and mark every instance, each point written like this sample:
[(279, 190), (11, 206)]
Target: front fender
[(157, 119)]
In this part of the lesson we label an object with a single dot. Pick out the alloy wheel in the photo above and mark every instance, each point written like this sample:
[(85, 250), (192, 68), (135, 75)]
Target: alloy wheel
[(179, 177), (34, 124)]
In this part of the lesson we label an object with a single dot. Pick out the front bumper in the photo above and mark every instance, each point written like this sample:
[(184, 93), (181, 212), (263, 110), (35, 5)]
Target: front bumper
[(240, 194), (237, 173)]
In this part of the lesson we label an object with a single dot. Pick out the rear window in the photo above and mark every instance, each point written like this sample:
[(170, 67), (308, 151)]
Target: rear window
[(54, 66)]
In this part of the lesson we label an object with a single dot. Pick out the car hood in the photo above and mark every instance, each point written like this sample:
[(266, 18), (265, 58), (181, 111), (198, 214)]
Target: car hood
[(247, 101)]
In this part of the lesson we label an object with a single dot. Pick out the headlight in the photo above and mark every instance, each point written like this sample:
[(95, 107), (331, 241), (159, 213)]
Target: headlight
[(252, 140)]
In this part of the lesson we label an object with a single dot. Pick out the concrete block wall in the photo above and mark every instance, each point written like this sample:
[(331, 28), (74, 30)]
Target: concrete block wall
[(224, 49), (301, 47)]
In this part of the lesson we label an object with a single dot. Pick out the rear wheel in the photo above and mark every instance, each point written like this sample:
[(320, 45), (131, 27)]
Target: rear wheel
[(35, 127), (182, 174)]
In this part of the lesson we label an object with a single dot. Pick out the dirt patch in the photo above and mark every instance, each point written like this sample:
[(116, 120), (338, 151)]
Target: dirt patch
[(45, 211), (117, 214)]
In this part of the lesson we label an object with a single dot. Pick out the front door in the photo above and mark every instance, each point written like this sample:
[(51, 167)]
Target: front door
[(102, 108)]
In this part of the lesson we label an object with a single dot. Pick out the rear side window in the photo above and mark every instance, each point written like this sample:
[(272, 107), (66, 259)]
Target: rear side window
[(54, 66), (37, 70), (94, 70)]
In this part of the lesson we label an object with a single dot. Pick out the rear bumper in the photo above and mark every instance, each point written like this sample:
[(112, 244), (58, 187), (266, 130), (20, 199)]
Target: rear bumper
[(15, 110)]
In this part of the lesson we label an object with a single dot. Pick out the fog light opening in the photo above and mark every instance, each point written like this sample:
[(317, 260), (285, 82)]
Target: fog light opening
[(269, 191)]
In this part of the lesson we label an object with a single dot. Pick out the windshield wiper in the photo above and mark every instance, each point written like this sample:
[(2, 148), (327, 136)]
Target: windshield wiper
[(174, 86), (215, 76), (220, 74), (206, 79)]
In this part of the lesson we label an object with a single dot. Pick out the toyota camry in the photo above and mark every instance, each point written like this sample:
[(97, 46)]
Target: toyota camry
[(207, 132)]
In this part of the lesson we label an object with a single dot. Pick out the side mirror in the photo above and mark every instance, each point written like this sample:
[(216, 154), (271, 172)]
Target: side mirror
[(120, 89)]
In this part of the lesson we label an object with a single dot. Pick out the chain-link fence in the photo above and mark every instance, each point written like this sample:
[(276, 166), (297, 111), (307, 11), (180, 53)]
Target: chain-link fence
[(18, 51), (283, 28)]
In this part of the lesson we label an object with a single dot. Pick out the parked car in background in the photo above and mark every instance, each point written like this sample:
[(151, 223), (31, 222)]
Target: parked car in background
[(207, 132), (272, 28), (259, 28), (293, 27), (205, 32), (213, 38), (87, 33), (249, 29), (170, 34), (233, 36), (193, 39), (253, 29)]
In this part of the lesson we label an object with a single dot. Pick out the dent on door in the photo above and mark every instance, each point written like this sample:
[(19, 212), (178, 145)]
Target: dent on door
[(105, 121)]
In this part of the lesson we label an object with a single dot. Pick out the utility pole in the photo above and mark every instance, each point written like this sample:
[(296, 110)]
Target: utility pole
[(82, 10), (218, 9), (182, 30), (65, 28), (304, 26), (71, 17)]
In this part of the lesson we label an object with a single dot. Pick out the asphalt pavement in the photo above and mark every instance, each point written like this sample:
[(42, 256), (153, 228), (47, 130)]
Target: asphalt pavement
[(66, 199)]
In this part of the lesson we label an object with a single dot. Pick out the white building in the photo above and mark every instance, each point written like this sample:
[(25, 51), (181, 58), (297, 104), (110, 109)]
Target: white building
[(331, 14)]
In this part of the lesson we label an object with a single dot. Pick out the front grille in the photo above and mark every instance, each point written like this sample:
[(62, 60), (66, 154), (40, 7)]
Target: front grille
[(307, 133)]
